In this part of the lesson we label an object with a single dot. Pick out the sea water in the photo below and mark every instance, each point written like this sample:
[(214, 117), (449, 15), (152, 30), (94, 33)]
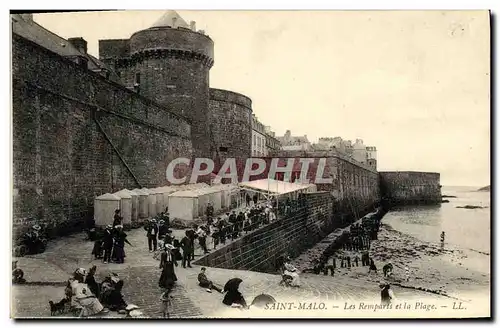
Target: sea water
[(466, 229)]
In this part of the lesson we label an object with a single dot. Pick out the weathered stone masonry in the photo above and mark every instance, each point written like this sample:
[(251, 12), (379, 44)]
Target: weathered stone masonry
[(77, 135), (230, 117), (260, 249), (170, 66), (354, 187), (403, 188)]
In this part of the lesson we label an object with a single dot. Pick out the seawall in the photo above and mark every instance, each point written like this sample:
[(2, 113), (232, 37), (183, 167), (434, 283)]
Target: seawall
[(354, 186), (311, 219), (410, 188), (336, 240)]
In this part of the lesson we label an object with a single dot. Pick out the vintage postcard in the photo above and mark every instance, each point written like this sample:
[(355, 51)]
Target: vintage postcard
[(251, 164)]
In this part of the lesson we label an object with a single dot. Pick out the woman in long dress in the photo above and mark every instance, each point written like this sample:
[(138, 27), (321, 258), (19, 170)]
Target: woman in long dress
[(167, 262), (291, 271), (119, 245)]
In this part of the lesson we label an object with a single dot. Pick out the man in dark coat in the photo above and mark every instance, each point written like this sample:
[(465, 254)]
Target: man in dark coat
[(168, 239), (365, 259), (239, 220), (187, 248), (209, 211), (152, 234), (223, 232), (107, 243), (162, 229), (373, 267), (232, 217), (192, 236), (166, 217), (119, 245), (235, 231), (117, 219)]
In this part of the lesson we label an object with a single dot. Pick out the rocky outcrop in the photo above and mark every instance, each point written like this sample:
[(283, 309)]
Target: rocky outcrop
[(487, 188), (471, 207)]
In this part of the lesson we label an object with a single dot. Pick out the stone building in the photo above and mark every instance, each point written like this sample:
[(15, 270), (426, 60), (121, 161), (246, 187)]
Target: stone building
[(337, 143), (358, 151), (353, 184), (289, 142), (371, 156), (84, 126), (169, 63), (230, 117), (259, 147), (272, 143)]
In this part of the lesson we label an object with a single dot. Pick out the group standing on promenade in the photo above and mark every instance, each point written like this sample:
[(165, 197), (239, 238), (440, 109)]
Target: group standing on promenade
[(109, 245)]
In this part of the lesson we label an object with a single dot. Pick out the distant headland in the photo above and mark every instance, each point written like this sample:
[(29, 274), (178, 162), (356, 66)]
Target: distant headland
[(487, 188)]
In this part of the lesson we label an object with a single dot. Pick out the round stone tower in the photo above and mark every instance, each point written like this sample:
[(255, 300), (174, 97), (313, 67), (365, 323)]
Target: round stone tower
[(171, 65)]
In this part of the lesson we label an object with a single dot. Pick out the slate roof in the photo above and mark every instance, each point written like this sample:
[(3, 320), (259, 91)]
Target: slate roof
[(168, 20), (34, 32)]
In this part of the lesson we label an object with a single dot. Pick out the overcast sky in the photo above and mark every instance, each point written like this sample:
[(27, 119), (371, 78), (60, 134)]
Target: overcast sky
[(413, 84)]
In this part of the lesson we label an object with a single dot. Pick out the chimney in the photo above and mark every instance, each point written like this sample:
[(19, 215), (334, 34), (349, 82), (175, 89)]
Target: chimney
[(192, 25), (79, 43), (201, 32), (174, 20), (27, 17)]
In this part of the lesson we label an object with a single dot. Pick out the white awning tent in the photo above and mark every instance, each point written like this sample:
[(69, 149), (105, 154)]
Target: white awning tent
[(230, 193), (276, 187), (190, 204)]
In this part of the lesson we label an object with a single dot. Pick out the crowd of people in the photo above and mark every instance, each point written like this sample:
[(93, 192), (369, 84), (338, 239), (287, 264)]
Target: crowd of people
[(169, 250), (85, 297), (32, 241)]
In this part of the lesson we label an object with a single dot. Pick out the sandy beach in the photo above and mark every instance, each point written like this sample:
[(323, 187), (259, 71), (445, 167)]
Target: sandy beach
[(453, 272)]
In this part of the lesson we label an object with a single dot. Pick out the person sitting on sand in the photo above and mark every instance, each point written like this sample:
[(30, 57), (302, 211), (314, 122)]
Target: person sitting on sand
[(205, 283), (17, 274), (291, 271), (83, 300)]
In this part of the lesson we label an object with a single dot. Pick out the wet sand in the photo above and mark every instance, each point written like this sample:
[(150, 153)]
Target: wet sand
[(452, 272)]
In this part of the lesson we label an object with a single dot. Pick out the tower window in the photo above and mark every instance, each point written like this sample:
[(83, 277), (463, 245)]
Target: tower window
[(137, 78)]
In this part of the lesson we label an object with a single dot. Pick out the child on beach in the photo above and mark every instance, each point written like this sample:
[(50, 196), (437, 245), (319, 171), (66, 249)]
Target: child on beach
[(407, 273), (166, 303), (372, 266)]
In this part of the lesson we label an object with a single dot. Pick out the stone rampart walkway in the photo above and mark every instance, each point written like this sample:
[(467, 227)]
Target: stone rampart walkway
[(141, 274)]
